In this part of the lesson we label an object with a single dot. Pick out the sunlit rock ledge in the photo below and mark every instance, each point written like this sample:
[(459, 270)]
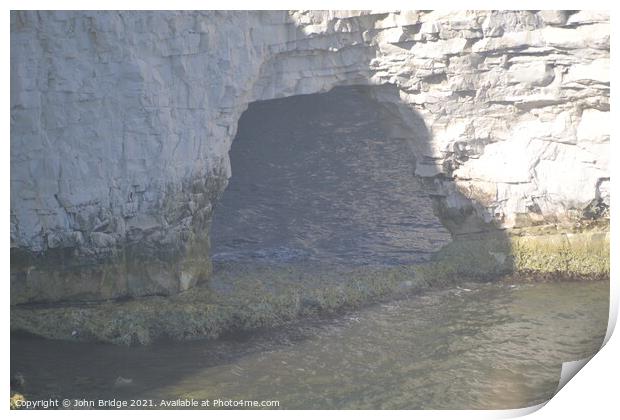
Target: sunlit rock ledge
[(121, 124)]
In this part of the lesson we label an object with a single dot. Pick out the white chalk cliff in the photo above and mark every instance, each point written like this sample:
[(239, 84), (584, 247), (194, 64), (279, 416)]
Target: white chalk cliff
[(121, 124)]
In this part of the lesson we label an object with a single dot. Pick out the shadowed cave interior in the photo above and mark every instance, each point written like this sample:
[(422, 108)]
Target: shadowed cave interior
[(317, 178)]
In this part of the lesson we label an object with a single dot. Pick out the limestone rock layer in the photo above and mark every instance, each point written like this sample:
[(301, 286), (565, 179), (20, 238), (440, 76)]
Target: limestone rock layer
[(121, 124)]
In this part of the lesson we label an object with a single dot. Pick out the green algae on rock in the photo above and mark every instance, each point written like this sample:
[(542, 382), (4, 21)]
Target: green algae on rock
[(544, 250), (264, 297)]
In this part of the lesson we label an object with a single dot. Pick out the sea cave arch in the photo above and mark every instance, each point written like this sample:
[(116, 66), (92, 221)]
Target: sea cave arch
[(329, 177)]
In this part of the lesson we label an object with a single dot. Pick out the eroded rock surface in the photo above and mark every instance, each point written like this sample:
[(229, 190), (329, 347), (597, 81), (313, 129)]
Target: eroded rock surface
[(121, 124)]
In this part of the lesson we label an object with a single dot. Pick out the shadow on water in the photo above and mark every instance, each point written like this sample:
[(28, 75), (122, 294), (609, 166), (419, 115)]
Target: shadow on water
[(92, 370)]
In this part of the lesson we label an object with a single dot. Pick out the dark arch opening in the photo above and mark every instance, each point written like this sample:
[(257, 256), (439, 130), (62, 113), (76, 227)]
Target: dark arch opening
[(322, 178)]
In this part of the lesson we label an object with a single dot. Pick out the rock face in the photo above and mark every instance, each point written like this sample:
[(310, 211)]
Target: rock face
[(121, 124)]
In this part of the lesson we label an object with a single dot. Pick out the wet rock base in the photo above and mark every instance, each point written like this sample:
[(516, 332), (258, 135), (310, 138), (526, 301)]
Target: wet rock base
[(251, 296)]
